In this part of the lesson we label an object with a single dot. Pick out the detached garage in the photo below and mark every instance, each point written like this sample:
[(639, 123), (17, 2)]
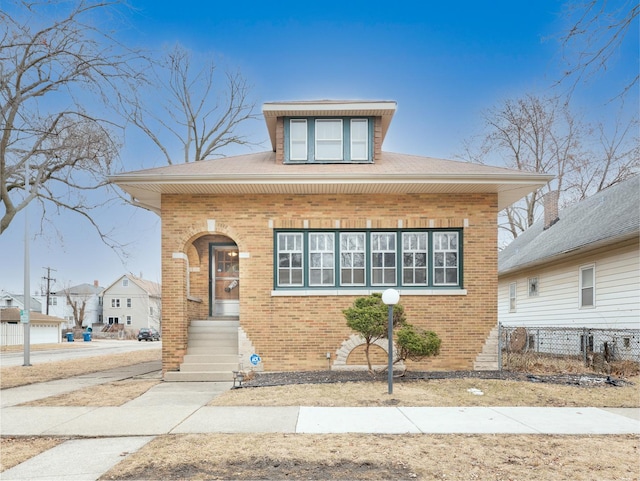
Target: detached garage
[(44, 329)]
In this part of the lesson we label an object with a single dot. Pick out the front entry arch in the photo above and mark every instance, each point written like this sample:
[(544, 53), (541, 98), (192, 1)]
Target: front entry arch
[(224, 280)]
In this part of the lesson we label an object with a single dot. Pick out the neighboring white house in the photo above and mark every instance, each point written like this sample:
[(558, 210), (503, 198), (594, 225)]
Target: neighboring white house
[(17, 301), (578, 270), (132, 302), (87, 294), (43, 329)]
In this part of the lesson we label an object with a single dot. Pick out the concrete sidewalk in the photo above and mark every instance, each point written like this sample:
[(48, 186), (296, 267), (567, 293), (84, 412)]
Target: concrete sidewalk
[(171, 408)]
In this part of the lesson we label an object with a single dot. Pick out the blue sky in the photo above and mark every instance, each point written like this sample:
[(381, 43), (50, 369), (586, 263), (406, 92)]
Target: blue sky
[(443, 62)]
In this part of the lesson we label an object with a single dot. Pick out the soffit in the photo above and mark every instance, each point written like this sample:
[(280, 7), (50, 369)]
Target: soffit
[(328, 108), (257, 174)]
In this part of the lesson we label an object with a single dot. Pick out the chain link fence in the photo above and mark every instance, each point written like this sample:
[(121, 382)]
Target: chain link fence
[(594, 348)]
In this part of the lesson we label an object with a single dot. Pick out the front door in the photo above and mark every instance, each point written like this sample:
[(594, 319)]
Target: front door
[(224, 281)]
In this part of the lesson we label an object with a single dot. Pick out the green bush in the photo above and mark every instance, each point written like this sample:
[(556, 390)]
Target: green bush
[(416, 343), (369, 317)]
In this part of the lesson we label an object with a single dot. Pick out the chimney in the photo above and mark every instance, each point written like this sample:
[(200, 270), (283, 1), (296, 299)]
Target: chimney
[(96, 283), (550, 201)]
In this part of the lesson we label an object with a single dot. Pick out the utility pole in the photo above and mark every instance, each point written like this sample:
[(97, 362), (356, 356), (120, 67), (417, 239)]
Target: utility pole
[(48, 278)]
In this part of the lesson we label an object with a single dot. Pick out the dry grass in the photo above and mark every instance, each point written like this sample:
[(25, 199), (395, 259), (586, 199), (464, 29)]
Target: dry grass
[(536, 363), (111, 394), (382, 457), (19, 375), (349, 456), (435, 392), (17, 450)]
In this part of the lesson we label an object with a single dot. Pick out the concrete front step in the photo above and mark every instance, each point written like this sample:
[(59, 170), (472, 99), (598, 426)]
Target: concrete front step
[(207, 367), (213, 376), (223, 322), (210, 358), (208, 351), (213, 343), (212, 352), (213, 333)]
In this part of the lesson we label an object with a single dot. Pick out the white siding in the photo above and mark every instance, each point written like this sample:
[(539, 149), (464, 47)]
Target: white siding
[(39, 333), (140, 310), (617, 296)]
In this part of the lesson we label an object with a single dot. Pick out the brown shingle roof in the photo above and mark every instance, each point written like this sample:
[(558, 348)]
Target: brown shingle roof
[(393, 173)]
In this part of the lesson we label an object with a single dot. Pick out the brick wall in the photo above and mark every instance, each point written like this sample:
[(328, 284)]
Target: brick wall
[(296, 332)]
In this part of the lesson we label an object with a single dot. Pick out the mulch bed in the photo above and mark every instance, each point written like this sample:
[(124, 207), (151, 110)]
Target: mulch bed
[(264, 379)]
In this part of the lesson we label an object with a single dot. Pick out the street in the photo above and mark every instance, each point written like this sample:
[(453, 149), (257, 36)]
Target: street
[(79, 350)]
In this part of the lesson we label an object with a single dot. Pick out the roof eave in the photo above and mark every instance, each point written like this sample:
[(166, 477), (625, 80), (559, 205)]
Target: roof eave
[(146, 190), (577, 250)]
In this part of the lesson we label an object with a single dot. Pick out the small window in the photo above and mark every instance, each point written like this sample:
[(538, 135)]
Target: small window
[(329, 139), (512, 297), (383, 259), (587, 286), (298, 139), (445, 258), (352, 259), (53, 301), (125, 282), (128, 320), (321, 259), (533, 286), (359, 139), (290, 259), (128, 302), (115, 302), (414, 258)]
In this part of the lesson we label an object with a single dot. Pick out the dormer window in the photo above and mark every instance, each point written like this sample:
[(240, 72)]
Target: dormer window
[(328, 139), (359, 139), (298, 139)]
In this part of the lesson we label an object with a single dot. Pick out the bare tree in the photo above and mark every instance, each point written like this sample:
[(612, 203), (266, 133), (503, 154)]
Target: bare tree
[(614, 158), (195, 110), (78, 306), (597, 31), (542, 135), (530, 134), (58, 76)]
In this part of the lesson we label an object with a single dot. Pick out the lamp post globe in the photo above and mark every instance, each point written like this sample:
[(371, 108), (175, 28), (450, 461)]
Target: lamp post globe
[(390, 297)]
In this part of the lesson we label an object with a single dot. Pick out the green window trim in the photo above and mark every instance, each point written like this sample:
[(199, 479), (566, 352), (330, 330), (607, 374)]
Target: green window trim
[(357, 259), (354, 138)]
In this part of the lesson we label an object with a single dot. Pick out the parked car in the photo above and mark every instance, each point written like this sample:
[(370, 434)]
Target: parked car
[(148, 334)]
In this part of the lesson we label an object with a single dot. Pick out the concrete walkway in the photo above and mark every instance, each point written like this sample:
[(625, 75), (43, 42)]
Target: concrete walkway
[(170, 408)]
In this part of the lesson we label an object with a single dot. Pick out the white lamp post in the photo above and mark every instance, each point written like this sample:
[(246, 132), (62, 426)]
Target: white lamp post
[(390, 297)]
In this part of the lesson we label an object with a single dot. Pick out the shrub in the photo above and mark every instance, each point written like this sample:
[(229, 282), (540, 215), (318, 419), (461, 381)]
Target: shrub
[(416, 343)]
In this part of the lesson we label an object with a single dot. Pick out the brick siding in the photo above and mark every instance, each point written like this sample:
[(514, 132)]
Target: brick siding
[(296, 332)]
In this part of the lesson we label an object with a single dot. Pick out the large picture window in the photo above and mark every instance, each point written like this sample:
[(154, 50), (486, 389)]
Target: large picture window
[(351, 259)]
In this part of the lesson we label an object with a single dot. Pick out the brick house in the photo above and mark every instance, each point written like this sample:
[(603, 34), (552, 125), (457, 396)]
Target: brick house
[(262, 252)]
